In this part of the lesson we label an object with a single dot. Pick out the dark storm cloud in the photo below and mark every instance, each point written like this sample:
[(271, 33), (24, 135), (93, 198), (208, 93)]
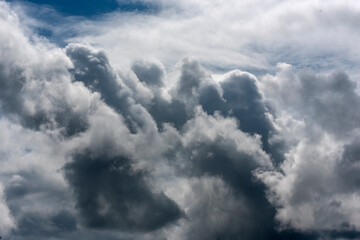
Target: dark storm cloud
[(112, 195)]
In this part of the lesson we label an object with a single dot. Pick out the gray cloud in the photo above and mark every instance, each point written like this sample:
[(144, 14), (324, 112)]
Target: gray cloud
[(151, 73), (349, 166), (316, 98), (225, 152), (112, 195), (35, 225), (93, 69)]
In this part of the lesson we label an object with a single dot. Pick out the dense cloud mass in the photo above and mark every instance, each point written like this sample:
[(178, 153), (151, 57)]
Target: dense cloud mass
[(110, 194), (90, 150)]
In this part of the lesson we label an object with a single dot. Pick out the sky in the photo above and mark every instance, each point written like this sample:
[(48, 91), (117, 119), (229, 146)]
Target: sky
[(172, 120)]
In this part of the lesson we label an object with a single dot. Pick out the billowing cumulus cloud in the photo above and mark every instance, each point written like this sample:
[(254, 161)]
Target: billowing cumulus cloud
[(315, 187), (164, 141)]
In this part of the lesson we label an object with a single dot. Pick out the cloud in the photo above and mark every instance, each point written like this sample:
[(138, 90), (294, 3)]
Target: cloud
[(223, 157), (31, 224), (28, 78), (247, 34), (151, 73), (93, 69), (314, 189), (112, 195), (7, 220), (310, 194), (48, 100), (164, 147), (316, 98)]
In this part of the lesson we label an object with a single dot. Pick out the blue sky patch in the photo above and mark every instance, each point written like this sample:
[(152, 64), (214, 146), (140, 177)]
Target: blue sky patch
[(90, 8)]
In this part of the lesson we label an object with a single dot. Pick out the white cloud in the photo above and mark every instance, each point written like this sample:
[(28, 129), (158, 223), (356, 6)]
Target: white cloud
[(7, 222), (246, 34), (314, 188)]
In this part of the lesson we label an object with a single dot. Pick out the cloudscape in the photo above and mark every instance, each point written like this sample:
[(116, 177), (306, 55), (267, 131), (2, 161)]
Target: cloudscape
[(172, 120)]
